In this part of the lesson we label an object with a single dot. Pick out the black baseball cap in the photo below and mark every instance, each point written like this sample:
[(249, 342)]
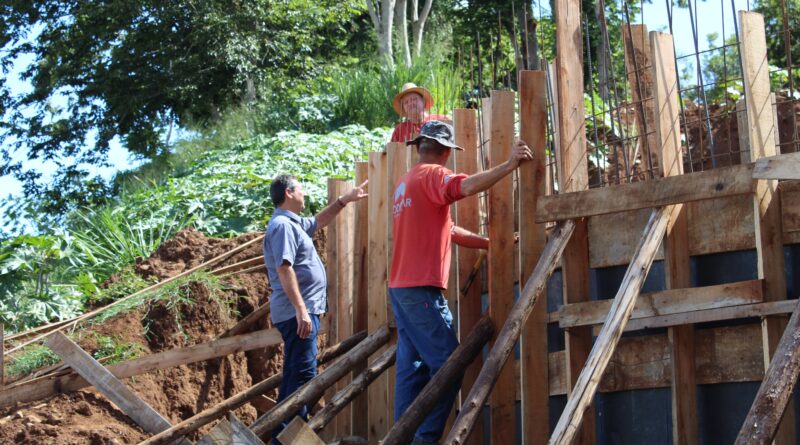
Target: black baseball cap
[(437, 131)]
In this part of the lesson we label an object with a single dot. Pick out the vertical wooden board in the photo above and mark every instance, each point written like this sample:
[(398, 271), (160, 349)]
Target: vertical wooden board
[(469, 310), (451, 293), (79, 360), (378, 392), (501, 261), (638, 65), (552, 75), (573, 175), (766, 200), (359, 406), (676, 241), (532, 238), (397, 165), (790, 206), (485, 130)]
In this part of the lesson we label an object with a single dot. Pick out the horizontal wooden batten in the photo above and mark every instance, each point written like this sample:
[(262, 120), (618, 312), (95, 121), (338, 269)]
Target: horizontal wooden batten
[(785, 166), (666, 302), (728, 181), (714, 314)]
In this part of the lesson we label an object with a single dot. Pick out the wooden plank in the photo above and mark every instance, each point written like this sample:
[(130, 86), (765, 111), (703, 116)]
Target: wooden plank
[(360, 425), (667, 302), (47, 386), (532, 239), (230, 432), (255, 261), (790, 206), (297, 432), (728, 181), (714, 314), (778, 167), (501, 260), (639, 66), (776, 390), (766, 200), (722, 355), (573, 176), (504, 346), (340, 285), (377, 393), (676, 241), (469, 310), (137, 409), (603, 349)]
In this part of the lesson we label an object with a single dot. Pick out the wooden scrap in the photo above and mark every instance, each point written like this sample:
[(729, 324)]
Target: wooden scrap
[(297, 432), (778, 167), (230, 432)]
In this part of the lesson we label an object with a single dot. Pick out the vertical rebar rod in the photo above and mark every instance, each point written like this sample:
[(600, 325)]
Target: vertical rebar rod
[(692, 13), (678, 85), (591, 98), (642, 137), (787, 48)]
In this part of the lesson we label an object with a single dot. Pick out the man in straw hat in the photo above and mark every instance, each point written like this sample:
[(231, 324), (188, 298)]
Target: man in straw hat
[(412, 103), (423, 232)]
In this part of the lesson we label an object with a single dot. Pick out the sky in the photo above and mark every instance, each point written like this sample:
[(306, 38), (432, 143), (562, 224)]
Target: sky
[(713, 16)]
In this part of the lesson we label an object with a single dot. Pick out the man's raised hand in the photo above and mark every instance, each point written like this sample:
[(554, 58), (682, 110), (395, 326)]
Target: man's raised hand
[(520, 153), (357, 193)]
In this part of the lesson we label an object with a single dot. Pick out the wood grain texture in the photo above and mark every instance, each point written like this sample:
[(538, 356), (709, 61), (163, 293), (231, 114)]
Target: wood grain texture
[(360, 423), (297, 432), (639, 68), (778, 167)]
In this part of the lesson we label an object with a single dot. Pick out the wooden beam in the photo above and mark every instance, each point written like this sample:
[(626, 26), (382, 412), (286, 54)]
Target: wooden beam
[(49, 385), (639, 68), (668, 302), (314, 388), (469, 309), (573, 176), (778, 167), (360, 425), (761, 423), (713, 314), (717, 183), (504, 345), (676, 241), (766, 201), (532, 239), (297, 432), (442, 382), (137, 409), (501, 260), (246, 324), (230, 432), (212, 413), (586, 386), (356, 387), (255, 261), (378, 392)]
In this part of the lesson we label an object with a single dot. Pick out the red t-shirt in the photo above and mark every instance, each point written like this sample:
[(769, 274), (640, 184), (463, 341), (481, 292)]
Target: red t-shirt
[(407, 130), (422, 226)]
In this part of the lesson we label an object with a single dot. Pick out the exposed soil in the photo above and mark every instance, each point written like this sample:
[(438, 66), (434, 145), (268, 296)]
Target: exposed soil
[(87, 417)]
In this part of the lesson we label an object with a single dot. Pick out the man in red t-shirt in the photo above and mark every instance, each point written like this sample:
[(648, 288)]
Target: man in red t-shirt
[(412, 104), (423, 231)]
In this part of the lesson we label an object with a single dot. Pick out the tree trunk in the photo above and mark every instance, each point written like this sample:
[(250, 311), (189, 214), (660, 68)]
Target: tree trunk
[(382, 14), (418, 24), (402, 29)]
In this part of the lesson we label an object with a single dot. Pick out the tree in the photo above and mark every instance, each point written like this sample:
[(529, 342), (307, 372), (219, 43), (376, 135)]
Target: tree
[(384, 13), (134, 69)]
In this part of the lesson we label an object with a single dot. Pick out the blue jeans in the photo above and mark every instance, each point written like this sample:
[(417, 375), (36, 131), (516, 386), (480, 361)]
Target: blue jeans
[(299, 364), (425, 339)]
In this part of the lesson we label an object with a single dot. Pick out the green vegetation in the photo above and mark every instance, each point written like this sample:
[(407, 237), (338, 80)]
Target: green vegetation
[(33, 358)]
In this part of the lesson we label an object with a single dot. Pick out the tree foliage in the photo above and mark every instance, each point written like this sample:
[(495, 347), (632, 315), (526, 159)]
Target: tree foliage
[(138, 69)]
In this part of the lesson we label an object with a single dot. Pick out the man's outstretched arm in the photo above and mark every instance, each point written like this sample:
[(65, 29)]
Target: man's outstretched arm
[(465, 238), (483, 180), (326, 215)]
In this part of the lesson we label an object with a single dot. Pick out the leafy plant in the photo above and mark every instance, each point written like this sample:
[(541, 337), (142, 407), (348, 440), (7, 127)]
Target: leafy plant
[(111, 350), (30, 359)]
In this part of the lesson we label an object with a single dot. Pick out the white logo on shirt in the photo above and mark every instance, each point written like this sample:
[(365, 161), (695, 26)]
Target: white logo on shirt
[(400, 201)]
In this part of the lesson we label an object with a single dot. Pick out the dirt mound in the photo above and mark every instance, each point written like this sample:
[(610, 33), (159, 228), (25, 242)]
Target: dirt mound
[(86, 417)]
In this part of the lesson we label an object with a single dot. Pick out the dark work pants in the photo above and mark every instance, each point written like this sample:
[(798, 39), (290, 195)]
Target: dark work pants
[(299, 364)]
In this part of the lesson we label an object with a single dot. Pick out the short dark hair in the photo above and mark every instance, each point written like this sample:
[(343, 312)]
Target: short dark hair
[(431, 146), (277, 191)]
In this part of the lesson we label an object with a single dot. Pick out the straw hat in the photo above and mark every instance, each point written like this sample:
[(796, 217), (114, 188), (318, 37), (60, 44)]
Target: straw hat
[(412, 88)]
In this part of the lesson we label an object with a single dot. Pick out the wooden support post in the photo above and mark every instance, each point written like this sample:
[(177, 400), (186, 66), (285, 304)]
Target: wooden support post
[(403, 430), (360, 425), (501, 260), (210, 414), (586, 386), (469, 310), (356, 387), (638, 65), (118, 393), (573, 176), (776, 390), (676, 242), (378, 392), (766, 201), (504, 345), (230, 432), (397, 159), (314, 388), (340, 281), (534, 394)]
